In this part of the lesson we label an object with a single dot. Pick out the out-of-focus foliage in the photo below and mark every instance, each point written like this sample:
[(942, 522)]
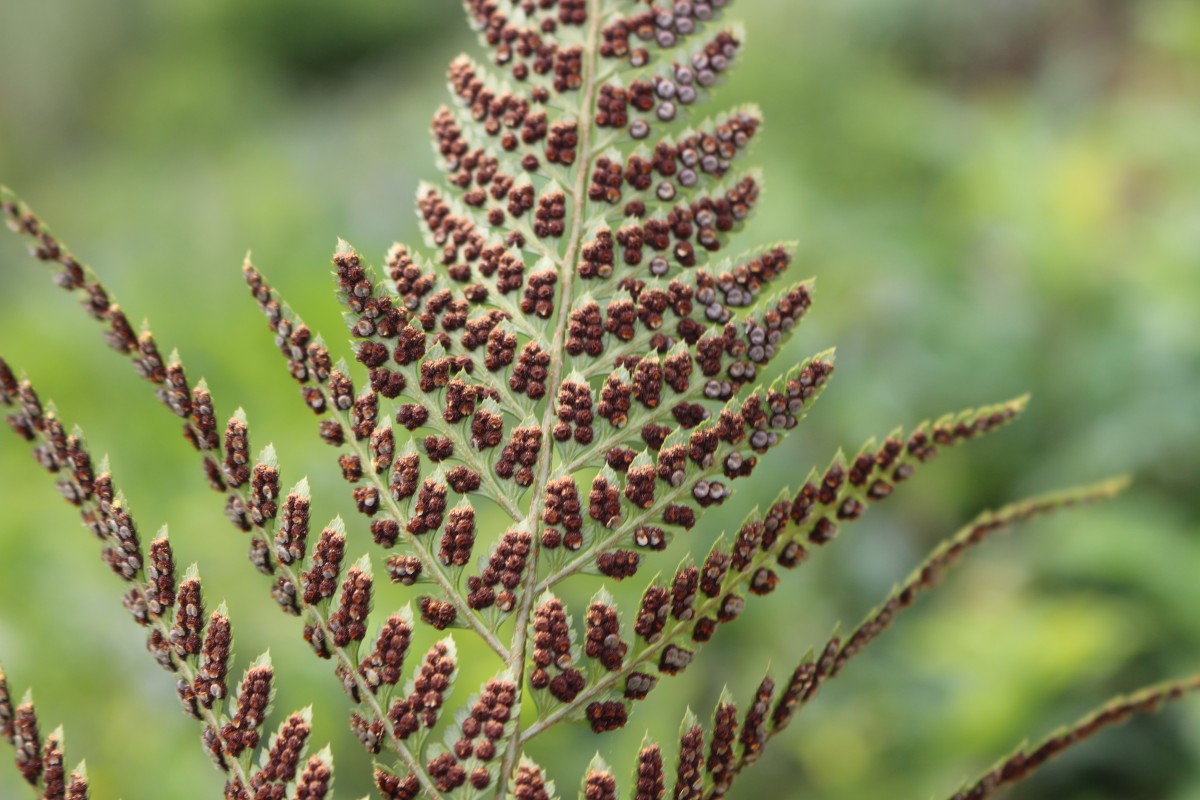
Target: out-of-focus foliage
[(996, 196)]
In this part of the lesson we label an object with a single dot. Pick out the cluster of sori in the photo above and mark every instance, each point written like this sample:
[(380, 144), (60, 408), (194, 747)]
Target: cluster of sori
[(41, 763), (576, 351)]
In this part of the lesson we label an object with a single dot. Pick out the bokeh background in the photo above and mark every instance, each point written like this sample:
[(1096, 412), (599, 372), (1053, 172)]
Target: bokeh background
[(998, 197)]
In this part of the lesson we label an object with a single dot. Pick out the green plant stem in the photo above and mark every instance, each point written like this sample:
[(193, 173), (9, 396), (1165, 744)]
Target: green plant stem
[(566, 269)]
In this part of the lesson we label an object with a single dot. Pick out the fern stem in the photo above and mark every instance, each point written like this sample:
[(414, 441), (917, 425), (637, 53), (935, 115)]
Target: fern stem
[(579, 199)]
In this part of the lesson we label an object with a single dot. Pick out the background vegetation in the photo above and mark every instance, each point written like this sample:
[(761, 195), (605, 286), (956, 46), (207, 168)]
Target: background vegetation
[(996, 196)]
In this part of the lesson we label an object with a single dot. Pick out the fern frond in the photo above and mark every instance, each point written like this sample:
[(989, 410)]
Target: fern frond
[(679, 620), (180, 638), (574, 344), (369, 459), (251, 492)]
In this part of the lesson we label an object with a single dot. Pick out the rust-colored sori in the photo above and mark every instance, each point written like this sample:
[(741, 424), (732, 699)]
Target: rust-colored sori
[(576, 345)]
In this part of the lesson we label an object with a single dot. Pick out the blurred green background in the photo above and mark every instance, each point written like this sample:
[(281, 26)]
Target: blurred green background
[(997, 197)]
